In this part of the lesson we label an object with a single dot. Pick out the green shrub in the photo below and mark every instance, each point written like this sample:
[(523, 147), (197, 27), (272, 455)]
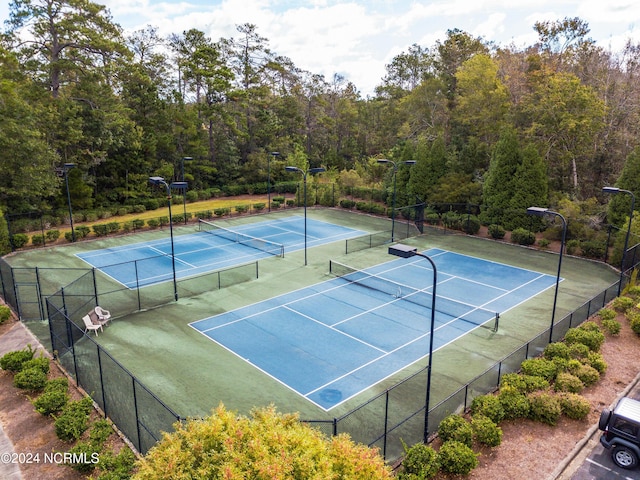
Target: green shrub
[(555, 350), (522, 236), (586, 336), (37, 239), (153, 223), (137, 223), (457, 458), (592, 248), (82, 231), (578, 351), (60, 383), (52, 235), (420, 462), (204, 215), (220, 212), (19, 240), (163, 220), (607, 314), (543, 243), (259, 206), (452, 220), (42, 363), (572, 366), (5, 314), (12, 361), (485, 431), (471, 225), (100, 431), (596, 360), (488, 406), (346, 203), (634, 323), (572, 246), (497, 231), (73, 420), (574, 406), (588, 375), (241, 208), (32, 379), (116, 467), (566, 382), (545, 408), (515, 404), (524, 383), (539, 367), (612, 327), (51, 401), (89, 453), (100, 230), (455, 427), (622, 304)]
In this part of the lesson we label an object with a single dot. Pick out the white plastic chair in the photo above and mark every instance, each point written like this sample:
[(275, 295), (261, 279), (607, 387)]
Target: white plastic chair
[(89, 325), (103, 315)]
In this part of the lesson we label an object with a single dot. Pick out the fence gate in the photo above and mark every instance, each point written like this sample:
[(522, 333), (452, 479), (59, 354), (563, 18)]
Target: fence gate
[(29, 301)]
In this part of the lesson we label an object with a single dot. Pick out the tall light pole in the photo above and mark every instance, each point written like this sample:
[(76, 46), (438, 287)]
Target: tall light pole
[(67, 167), (274, 155), (184, 194), (304, 177), (161, 181), (541, 212), (615, 190), (405, 251), (393, 206)]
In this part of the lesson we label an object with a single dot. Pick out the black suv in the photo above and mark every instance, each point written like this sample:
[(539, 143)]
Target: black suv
[(622, 432)]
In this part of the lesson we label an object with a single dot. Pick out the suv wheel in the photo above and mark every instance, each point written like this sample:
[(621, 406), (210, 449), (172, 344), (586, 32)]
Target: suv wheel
[(624, 457)]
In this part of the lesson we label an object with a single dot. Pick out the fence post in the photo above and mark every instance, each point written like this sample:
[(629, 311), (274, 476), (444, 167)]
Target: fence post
[(104, 398), (386, 424), (135, 408)]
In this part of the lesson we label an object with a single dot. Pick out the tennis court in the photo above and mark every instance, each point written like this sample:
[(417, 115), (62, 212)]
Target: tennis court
[(332, 340), (212, 248)]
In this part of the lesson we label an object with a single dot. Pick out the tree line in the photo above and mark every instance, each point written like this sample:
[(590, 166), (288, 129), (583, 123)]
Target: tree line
[(499, 126)]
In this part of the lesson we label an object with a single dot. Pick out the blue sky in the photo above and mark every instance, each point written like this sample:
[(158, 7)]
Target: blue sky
[(356, 39)]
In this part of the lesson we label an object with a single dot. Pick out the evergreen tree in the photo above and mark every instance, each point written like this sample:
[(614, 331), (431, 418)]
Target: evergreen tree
[(529, 187), (498, 187)]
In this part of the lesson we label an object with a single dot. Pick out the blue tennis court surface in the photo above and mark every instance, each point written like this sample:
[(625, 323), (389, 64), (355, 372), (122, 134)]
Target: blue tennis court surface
[(147, 263), (335, 339)]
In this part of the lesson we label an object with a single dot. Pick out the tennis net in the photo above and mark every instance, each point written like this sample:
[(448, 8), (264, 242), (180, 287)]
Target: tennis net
[(446, 306), (272, 248)]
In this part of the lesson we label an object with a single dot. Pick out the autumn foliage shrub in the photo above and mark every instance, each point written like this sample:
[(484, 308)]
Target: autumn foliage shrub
[(545, 407), (266, 445)]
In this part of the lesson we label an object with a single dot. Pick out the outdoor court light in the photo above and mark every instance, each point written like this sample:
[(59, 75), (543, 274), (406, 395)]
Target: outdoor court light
[(405, 251), (67, 167), (541, 212), (160, 181), (184, 195), (304, 178), (274, 155), (615, 190), (393, 205)]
